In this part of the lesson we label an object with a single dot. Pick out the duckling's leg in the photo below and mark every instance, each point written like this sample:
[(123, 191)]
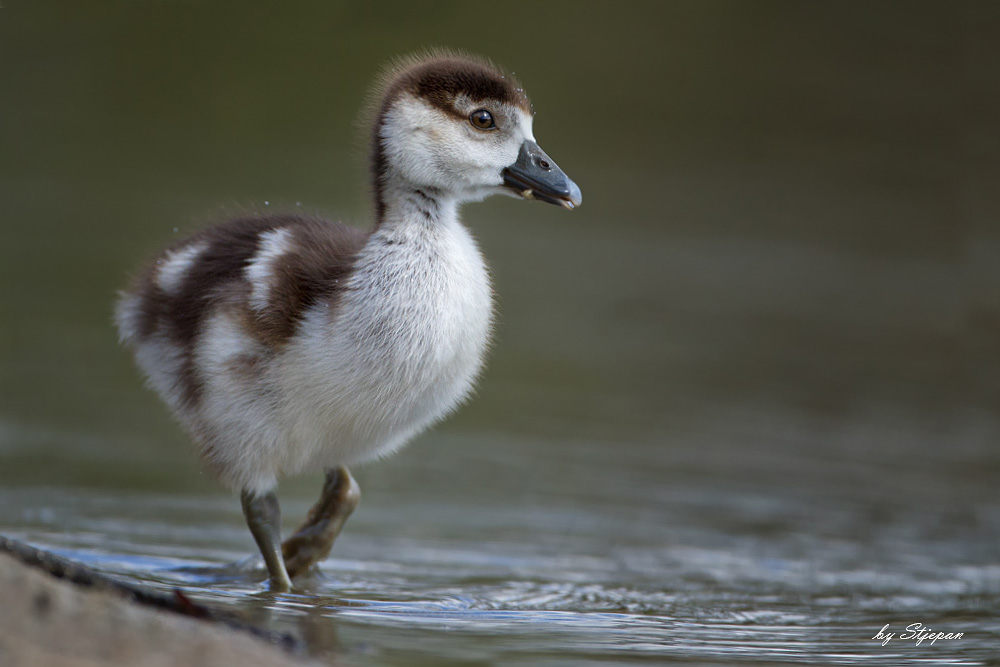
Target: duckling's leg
[(263, 515), (314, 538)]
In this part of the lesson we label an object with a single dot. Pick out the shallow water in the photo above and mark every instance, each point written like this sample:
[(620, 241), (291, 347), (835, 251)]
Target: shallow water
[(742, 407), (540, 551)]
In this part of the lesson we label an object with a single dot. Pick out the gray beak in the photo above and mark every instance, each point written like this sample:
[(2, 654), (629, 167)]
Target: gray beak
[(535, 176)]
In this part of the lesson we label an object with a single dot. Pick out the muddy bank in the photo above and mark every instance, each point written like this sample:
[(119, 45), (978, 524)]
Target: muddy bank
[(82, 619)]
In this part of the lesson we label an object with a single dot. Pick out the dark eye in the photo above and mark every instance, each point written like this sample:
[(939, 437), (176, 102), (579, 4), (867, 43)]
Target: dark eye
[(482, 119)]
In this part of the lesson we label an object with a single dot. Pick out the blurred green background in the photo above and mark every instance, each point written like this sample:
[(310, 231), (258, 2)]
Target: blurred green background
[(790, 209)]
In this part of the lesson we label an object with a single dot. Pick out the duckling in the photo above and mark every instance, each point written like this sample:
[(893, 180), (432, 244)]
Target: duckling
[(285, 344)]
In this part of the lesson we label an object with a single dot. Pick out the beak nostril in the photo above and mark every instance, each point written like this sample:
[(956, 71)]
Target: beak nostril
[(544, 164)]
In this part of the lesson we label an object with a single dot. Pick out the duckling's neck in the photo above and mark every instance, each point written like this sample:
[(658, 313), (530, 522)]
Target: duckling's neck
[(404, 204)]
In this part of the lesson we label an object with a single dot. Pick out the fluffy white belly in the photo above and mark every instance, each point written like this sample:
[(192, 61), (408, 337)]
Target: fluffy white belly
[(402, 350)]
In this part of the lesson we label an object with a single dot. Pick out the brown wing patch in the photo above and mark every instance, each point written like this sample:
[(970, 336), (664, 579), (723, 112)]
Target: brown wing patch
[(179, 314), (314, 268)]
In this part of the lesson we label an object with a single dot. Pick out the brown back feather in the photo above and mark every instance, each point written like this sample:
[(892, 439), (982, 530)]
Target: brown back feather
[(316, 267)]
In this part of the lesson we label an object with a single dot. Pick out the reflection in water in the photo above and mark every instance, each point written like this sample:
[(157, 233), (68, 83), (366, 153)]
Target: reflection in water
[(742, 406)]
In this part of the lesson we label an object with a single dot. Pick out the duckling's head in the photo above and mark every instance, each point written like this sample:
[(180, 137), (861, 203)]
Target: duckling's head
[(459, 126)]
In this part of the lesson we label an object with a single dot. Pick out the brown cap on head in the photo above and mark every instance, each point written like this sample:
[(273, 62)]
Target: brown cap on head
[(440, 76)]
